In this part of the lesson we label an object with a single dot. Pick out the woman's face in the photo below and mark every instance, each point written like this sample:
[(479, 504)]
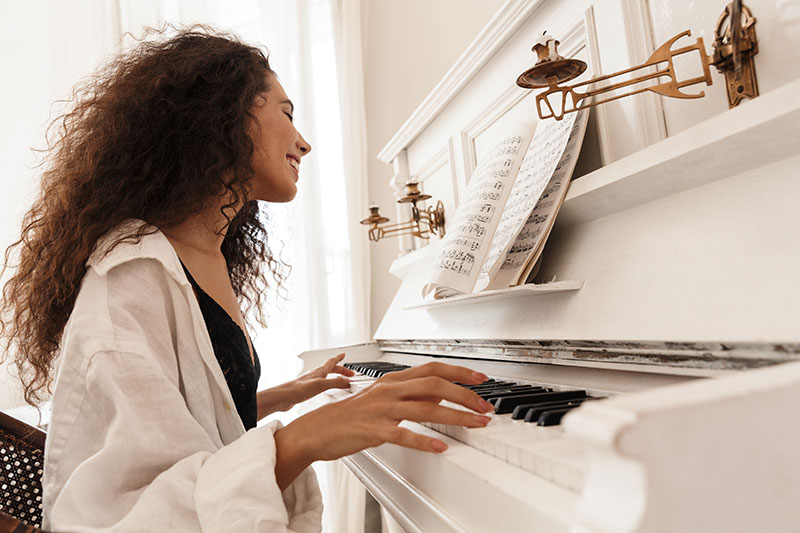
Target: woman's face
[(278, 147)]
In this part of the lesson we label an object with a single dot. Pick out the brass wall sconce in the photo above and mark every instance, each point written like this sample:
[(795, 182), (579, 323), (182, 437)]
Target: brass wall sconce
[(423, 223), (735, 44)]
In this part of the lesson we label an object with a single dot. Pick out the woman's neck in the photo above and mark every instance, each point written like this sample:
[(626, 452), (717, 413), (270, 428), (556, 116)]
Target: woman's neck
[(202, 233)]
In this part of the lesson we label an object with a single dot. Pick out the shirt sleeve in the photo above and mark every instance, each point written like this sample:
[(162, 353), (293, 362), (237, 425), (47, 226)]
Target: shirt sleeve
[(137, 460)]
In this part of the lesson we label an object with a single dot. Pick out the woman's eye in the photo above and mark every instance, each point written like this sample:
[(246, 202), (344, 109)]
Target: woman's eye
[(291, 118)]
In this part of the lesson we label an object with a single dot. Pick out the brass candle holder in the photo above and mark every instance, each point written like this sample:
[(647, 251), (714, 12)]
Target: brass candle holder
[(423, 223), (735, 44)]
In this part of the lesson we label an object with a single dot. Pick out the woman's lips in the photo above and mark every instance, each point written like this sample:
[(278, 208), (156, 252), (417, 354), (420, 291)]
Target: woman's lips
[(295, 164)]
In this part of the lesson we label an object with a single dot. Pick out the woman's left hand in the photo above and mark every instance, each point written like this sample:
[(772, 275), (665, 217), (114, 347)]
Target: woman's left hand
[(310, 384), (284, 397)]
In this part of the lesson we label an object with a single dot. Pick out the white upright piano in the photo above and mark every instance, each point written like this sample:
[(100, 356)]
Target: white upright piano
[(683, 224)]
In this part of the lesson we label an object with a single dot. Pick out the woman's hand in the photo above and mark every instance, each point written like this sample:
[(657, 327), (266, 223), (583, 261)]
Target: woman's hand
[(310, 384), (285, 396), (371, 417)]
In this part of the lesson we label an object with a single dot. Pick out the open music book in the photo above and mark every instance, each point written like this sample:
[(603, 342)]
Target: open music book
[(500, 227)]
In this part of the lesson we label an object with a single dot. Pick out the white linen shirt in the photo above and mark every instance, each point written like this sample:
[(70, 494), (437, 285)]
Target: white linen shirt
[(144, 434)]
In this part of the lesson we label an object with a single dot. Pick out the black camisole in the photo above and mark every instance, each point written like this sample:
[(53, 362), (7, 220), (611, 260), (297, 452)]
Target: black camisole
[(233, 354)]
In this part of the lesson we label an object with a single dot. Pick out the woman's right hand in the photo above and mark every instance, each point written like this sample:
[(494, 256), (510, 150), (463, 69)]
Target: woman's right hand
[(371, 417)]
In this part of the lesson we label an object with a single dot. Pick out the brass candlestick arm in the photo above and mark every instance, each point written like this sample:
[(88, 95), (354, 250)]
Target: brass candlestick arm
[(734, 48), (423, 223)]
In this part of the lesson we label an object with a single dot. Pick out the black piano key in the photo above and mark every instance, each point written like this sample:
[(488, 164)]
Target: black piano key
[(471, 386), (501, 393), (533, 398), (552, 418), (489, 390), (490, 384), (507, 404), (532, 414), (493, 385), (375, 368), (493, 399), (521, 410)]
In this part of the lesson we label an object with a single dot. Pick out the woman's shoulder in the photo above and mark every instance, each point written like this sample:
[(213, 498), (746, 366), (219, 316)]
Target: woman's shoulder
[(134, 241), (132, 285)]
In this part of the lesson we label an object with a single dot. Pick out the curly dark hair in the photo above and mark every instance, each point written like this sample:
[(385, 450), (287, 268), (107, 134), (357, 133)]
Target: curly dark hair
[(153, 135)]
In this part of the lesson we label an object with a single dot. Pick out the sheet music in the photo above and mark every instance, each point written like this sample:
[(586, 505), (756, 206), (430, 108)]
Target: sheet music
[(519, 257), (541, 159), (466, 243)]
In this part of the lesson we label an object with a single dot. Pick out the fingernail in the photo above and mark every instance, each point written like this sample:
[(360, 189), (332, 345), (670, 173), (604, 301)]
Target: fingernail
[(479, 376), (438, 446), (485, 406), (480, 419)]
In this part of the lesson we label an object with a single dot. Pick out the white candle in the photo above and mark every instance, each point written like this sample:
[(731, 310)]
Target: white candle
[(544, 38), (548, 41)]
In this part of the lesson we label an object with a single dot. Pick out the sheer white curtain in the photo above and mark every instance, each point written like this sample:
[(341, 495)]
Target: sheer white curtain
[(45, 48)]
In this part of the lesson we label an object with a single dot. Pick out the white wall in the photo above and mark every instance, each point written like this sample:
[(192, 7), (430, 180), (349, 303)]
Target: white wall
[(408, 47)]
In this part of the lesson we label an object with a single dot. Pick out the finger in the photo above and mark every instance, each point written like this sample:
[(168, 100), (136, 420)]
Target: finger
[(336, 383), (339, 369), (409, 439), (449, 372), (417, 411), (440, 389), (333, 361)]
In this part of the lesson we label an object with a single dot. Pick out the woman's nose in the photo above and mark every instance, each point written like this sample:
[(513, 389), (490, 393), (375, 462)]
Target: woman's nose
[(303, 145)]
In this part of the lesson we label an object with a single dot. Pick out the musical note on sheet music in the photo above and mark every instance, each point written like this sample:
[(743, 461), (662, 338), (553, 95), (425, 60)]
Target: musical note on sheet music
[(466, 241), (468, 244), (473, 230), (522, 255), (538, 165), (457, 261), (544, 174)]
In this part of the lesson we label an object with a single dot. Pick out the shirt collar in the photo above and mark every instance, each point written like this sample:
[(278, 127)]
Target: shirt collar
[(152, 245)]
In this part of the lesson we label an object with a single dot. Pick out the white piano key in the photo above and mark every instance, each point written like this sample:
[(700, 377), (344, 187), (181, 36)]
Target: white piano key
[(543, 451)]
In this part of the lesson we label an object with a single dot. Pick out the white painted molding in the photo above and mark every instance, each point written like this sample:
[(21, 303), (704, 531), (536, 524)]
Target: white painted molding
[(605, 137), (401, 174), (440, 159), (650, 119), (491, 114), (405, 243), (458, 184), (504, 24)]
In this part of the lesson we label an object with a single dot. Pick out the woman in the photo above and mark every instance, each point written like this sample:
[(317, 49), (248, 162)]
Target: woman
[(133, 265)]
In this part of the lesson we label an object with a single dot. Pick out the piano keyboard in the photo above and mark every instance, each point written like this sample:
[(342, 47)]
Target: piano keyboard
[(524, 428)]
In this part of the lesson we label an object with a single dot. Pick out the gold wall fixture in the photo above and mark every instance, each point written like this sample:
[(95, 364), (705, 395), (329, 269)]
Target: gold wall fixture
[(735, 44), (423, 223)]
